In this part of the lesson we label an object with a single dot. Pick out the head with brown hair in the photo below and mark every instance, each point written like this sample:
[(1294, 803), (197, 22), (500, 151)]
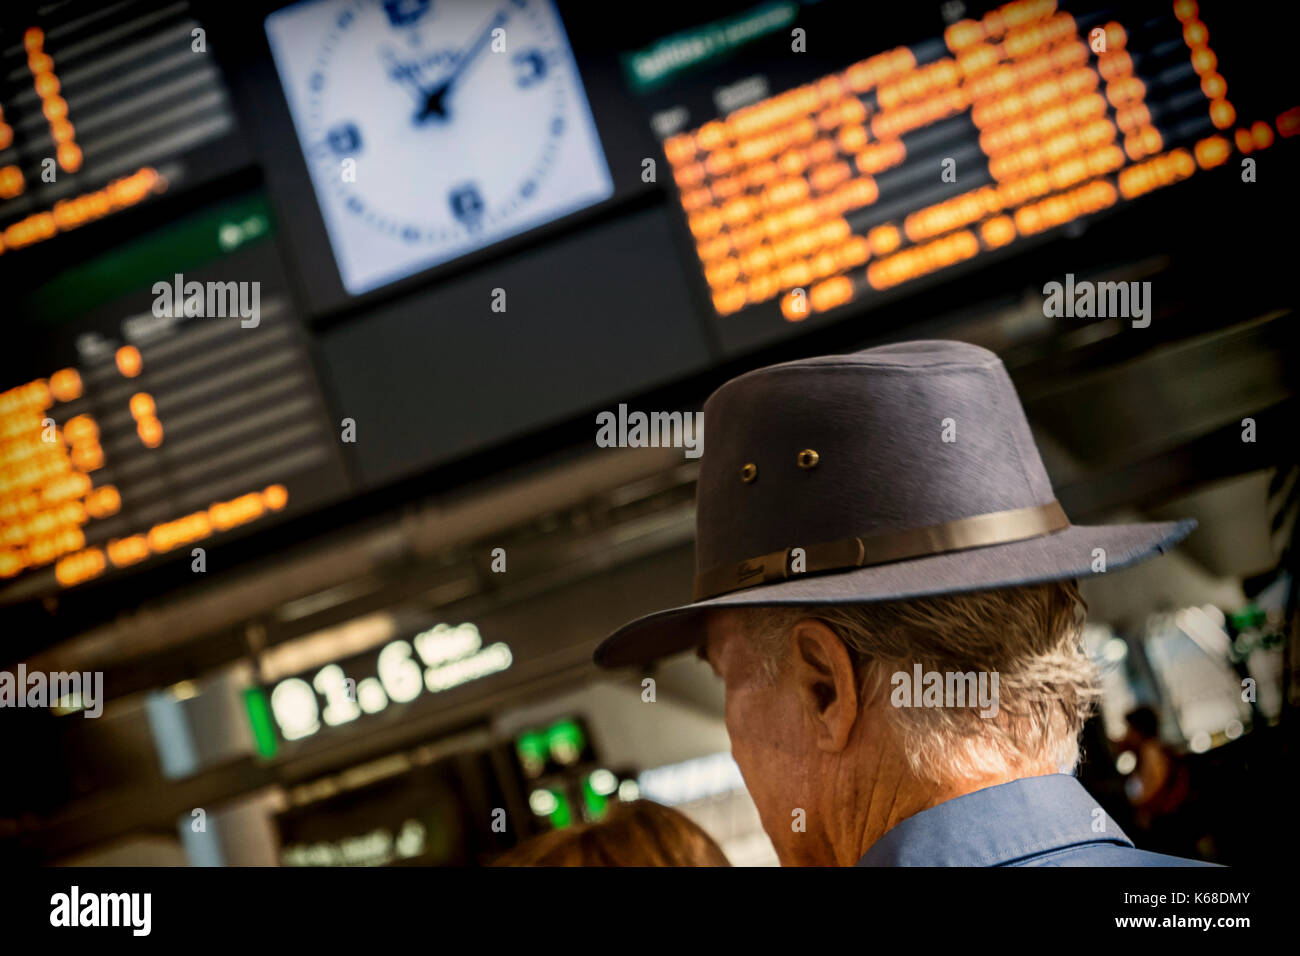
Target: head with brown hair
[(640, 833)]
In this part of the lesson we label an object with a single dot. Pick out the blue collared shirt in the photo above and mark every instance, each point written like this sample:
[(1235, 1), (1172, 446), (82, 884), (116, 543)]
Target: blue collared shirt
[(1037, 821)]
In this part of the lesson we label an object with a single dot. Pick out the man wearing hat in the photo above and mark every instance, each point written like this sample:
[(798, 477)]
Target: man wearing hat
[(885, 584)]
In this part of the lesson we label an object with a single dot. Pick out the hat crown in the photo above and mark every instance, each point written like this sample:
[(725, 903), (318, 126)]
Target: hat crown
[(906, 436)]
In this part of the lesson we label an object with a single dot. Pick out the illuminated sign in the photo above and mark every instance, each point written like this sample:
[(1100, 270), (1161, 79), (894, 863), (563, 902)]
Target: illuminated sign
[(647, 69), (379, 847), (48, 495), (433, 661), (557, 761), (562, 744), (91, 118), (902, 166), (69, 213), (691, 780), (165, 432), (416, 816)]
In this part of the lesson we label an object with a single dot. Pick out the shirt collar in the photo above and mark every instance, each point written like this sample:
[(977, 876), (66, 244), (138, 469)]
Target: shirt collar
[(998, 825)]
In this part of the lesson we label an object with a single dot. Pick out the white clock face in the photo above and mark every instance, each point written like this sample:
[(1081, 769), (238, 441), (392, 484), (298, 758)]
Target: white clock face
[(435, 127)]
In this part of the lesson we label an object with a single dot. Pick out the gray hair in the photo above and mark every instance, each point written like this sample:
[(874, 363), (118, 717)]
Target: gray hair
[(1030, 637)]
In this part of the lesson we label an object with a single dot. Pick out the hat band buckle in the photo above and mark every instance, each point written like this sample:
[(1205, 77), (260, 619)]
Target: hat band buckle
[(976, 531)]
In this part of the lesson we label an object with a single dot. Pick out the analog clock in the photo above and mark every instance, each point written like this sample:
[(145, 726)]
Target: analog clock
[(435, 127)]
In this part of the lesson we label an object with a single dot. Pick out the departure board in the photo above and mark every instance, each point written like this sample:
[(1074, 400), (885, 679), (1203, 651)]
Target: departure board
[(185, 407), (102, 107), (715, 180), (920, 158)]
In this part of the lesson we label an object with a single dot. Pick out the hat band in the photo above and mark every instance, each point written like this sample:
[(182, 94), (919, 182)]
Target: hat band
[(977, 531)]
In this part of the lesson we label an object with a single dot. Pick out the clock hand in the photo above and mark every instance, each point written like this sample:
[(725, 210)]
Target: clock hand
[(433, 103), (406, 74)]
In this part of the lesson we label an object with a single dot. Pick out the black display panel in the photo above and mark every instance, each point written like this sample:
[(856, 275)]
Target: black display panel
[(426, 816), (441, 375), (709, 162), (944, 143), (103, 109), (177, 405)]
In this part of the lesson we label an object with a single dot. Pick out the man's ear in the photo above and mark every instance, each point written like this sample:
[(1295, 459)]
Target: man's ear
[(822, 671)]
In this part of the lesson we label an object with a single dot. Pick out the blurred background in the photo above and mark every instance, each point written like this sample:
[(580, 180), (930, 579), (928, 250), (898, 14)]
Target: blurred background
[(339, 537)]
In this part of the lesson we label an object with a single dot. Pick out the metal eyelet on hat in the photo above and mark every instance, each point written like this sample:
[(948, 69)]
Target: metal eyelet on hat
[(808, 458), (748, 472)]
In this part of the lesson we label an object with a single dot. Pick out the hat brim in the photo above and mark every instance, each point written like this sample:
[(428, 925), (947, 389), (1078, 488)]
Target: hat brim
[(1055, 557)]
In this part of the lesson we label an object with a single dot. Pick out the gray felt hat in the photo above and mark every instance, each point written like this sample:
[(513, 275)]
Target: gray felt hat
[(897, 472)]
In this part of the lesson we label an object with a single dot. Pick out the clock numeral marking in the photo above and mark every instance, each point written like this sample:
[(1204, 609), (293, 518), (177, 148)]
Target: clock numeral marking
[(530, 68), (402, 13), (344, 139), (467, 204)]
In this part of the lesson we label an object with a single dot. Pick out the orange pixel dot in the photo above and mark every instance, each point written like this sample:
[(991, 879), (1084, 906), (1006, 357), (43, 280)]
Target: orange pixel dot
[(129, 362), (11, 182), (150, 431), (70, 156), (142, 405), (1222, 114), (54, 108), (1212, 151), (65, 385), (81, 429), (275, 497)]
